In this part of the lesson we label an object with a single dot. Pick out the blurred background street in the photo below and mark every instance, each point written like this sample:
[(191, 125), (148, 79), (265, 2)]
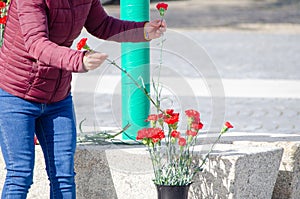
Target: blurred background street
[(254, 46)]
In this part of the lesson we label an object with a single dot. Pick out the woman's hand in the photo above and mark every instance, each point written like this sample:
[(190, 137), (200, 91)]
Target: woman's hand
[(154, 29), (93, 60)]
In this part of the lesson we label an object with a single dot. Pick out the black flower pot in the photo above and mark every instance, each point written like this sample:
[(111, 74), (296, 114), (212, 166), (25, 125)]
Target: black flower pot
[(172, 192)]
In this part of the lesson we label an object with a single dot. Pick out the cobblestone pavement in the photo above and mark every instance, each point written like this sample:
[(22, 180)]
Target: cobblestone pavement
[(253, 115), (254, 51)]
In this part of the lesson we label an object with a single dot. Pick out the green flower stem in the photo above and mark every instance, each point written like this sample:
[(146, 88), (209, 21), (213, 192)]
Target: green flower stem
[(136, 83), (98, 138), (154, 161), (143, 89), (211, 149), (156, 87), (1, 34)]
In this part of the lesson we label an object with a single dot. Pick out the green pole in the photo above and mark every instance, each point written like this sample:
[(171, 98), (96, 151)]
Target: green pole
[(135, 60)]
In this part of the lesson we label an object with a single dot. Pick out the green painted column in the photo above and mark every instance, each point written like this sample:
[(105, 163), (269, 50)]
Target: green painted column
[(135, 60)]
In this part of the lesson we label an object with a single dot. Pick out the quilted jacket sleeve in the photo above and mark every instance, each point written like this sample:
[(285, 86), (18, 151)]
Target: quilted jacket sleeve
[(34, 27), (103, 26)]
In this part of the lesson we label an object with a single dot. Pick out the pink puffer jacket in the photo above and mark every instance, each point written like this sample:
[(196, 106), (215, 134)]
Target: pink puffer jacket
[(35, 60)]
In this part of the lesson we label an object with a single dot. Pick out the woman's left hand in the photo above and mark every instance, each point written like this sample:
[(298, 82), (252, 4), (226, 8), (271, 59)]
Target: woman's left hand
[(154, 29)]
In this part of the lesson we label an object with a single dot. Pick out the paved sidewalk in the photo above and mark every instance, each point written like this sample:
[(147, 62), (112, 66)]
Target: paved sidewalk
[(253, 45), (239, 15)]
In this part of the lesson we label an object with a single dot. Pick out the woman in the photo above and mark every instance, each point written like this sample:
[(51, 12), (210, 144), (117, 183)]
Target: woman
[(36, 65)]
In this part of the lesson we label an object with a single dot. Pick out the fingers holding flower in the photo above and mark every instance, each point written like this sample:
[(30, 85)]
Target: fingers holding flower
[(155, 28), (93, 60)]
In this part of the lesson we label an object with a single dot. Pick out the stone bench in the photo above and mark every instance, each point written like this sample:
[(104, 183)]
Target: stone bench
[(114, 171), (238, 172), (288, 182)]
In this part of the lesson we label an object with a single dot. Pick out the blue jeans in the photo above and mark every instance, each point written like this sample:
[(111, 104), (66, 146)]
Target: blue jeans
[(54, 126)]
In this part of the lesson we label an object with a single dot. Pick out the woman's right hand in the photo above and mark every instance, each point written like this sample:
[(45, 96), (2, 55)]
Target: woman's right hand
[(93, 60)]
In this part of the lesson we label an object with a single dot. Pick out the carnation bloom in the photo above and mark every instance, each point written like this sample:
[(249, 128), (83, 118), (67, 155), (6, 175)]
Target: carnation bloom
[(182, 141), (155, 134), (143, 133), (3, 20), (191, 133), (172, 119), (152, 117), (228, 125), (162, 6), (195, 120), (2, 4), (192, 113), (82, 44), (197, 126), (160, 116), (169, 111), (175, 134)]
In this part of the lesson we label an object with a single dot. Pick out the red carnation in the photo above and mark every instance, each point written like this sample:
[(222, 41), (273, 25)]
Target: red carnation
[(2, 4), (175, 134), (3, 20), (152, 117), (143, 133), (191, 133), (192, 113), (171, 117), (82, 44), (196, 120), (162, 6), (160, 116), (197, 126), (182, 142), (228, 125), (169, 111), (174, 118), (156, 134)]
